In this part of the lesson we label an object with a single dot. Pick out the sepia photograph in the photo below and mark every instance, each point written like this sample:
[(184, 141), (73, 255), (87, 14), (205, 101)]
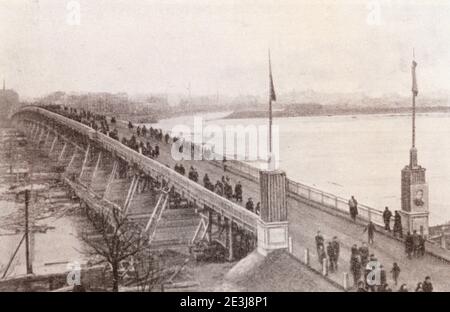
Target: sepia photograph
[(235, 148)]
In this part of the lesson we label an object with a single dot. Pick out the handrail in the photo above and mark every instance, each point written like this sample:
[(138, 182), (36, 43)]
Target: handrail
[(190, 189), (312, 194)]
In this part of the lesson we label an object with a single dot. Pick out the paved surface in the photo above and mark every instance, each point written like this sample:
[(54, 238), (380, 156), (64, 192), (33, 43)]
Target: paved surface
[(305, 221)]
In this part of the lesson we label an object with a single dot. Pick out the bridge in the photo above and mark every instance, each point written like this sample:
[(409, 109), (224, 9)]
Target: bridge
[(94, 164)]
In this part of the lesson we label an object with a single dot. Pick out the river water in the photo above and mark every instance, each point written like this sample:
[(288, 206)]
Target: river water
[(54, 238), (358, 155)]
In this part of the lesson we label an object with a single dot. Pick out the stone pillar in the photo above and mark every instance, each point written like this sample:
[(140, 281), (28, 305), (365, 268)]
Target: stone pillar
[(414, 197), (272, 229)]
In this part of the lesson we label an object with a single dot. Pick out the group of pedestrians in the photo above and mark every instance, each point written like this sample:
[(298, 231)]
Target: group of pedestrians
[(330, 252), (387, 218), (425, 286), (250, 206), (141, 147), (222, 187), (414, 245), (368, 274)]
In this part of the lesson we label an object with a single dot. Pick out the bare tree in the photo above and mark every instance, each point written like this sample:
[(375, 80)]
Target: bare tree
[(116, 240), (146, 273)]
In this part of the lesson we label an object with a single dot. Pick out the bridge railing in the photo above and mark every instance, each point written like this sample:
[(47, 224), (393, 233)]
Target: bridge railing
[(77, 126), (313, 194), (191, 189), (194, 191), (332, 201)]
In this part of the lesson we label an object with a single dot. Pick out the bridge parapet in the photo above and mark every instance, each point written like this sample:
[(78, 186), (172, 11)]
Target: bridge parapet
[(190, 189), (296, 189)]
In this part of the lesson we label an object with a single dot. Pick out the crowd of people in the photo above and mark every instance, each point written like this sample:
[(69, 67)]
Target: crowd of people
[(414, 243), (367, 272), (222, 187)]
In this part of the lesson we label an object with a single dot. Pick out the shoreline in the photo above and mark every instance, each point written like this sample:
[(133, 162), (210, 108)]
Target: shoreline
[(334, 112)]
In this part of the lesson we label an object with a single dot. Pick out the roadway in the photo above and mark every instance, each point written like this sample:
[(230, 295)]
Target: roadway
[(305, 221)]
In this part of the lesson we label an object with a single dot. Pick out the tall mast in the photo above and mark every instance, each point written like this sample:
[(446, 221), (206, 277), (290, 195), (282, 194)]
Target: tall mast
[(415, 92)]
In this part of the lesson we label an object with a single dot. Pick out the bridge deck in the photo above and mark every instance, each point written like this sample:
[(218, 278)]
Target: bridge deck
[(305, 219)]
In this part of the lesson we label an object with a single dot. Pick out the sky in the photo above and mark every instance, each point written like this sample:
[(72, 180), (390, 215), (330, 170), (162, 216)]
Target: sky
[(210, 46)]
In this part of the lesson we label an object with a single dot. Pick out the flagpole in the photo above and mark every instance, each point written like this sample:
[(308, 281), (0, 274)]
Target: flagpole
[(414, 107), (413, 120), (270, 127), (270, 114)]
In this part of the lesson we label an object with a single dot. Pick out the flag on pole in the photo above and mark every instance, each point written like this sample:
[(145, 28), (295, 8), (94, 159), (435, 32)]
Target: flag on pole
[(415, 90), (273, 97)]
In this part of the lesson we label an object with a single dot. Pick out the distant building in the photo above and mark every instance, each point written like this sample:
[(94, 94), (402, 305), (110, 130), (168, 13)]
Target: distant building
[(9, 99)]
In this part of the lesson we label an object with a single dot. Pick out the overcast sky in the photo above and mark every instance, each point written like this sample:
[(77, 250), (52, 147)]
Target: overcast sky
[(161, 46)]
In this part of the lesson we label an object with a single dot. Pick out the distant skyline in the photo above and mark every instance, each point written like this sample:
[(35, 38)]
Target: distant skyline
[(221, 46)]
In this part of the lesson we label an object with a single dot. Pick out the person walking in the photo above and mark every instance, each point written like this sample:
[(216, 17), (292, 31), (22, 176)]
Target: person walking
[(336, 249), (383, 279), (387, 214), (258, 208), (353, 208), (395, 272), (331, 257), (398, 225), (421, 245), (427, 286), (319, 241), (370, 228), (409, 245), (249, 205), (321, 255), (364, 254), (416, 243), (238, 191), (419, 287), (355, 268)]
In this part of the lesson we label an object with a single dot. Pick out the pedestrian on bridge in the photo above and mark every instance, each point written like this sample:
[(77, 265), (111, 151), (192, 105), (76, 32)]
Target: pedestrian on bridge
[(319, 241), (331, 257), (238, 192), (353, 207), (144, 131), (249, 205), (395, 272), (321, 255), (409, 245), (336, 249), (387, 214), (228, 189), (419, 287), (355, 268), (206, 181), (364, 254), (370, 228), (416, 243), (421, 245), (398, 225), (427, 286)]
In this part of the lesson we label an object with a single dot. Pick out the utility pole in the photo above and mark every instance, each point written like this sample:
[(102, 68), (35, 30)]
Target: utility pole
[(27, 235)]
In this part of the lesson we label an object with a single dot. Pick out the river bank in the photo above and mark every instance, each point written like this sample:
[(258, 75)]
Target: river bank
[(308, 111)]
